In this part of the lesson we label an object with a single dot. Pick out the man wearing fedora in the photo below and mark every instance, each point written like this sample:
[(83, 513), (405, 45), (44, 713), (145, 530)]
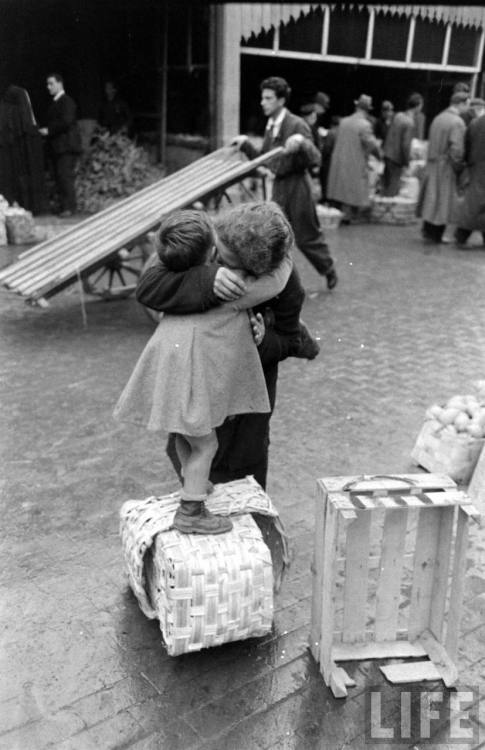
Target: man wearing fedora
[(348, 179)]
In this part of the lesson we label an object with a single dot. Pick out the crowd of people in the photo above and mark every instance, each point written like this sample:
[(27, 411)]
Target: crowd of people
[(318, 144), (452, 189)]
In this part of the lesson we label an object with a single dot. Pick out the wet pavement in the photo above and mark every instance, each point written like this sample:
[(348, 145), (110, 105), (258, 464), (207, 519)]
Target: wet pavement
[(81, 666)]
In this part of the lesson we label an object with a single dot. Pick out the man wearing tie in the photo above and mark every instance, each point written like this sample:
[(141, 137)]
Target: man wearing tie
[(292, 186), (64, 142)]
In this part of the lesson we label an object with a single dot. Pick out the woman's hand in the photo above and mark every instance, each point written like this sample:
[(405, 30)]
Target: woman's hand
[(258, 327)]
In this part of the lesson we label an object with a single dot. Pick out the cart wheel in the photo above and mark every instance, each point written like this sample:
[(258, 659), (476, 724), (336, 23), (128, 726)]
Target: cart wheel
[(118, 278)]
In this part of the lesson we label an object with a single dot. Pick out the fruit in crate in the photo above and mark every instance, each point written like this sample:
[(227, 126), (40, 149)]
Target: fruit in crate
[(461, 415)]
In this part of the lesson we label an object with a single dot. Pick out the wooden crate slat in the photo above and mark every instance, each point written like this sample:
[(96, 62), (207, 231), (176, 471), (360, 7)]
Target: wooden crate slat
[(440, 658), (412, 501), (356, 578), (330, 545), (364, 502), (423, 574), (374, 650), (443, 556), (457, 582), (387, 501), (317, 571), (416, 671), (340, 681), (389, 586), (449, 497), (368, 483), (476, 488)]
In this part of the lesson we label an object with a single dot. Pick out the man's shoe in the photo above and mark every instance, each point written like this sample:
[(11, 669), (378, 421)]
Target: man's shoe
[(194, 518), (332, 279), (308, 347)]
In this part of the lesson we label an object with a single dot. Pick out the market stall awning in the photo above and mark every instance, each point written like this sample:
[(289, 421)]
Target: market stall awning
[(262, 16)]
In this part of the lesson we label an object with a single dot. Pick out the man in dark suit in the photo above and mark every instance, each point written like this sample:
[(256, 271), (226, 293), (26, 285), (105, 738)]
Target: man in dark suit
[(64, 142), (292, 187)]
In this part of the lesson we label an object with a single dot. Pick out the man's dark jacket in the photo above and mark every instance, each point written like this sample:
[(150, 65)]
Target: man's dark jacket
[(64, 136)]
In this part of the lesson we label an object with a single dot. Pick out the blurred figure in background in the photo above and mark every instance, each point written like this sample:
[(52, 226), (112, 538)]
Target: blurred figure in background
[(348, 178), (438, 196), (327, 147), (22, 177), (397, 146), (471, 213), (115, 114), (384, 121)]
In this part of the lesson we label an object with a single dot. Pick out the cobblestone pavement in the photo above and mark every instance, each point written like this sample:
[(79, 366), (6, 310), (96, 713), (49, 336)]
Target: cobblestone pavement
[(81, 666)]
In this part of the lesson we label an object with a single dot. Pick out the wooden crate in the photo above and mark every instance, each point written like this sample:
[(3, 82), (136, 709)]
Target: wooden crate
[(452, 453), (393, 210), (348, 510), (476, 488)]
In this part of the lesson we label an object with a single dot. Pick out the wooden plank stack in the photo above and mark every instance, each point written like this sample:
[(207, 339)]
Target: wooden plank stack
[(360, 618), (49, 266)]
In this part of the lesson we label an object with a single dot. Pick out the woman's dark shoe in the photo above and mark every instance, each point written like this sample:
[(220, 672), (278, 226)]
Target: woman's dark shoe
[(192, 517)]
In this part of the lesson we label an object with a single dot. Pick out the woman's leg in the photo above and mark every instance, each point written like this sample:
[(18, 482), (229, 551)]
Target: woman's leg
[(192, 517), (199, 452)]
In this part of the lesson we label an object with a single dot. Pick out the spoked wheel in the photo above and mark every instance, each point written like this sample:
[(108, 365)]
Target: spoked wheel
[(118, 277)]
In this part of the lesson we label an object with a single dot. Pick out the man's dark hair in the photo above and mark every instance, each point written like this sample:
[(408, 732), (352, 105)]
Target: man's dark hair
[(57, 76), (258, 233), (185, 238), (278, 85), (460, 87), (414, 100)]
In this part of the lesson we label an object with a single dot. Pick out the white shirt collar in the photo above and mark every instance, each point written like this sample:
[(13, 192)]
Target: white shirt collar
[(274, 124), (59, 94)]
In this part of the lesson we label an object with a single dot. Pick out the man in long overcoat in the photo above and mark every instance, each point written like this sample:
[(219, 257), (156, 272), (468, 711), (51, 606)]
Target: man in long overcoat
[(292, 186), (471, 214), (348, 179), (438, 200), (64, 141)]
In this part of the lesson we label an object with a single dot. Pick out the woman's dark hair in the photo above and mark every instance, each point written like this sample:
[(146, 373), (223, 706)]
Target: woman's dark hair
[(278, 85), (185, 238)]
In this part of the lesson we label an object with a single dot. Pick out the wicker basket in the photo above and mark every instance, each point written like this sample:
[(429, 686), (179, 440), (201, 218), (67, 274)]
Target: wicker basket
[(329, 217), (393, 210), (205, 590)]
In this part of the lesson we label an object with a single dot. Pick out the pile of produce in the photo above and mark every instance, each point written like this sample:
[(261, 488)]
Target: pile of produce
[(462, 416), (113, 167)]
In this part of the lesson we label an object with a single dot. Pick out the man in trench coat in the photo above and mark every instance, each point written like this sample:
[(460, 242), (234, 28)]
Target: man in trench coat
[(471, 213), (438, 200), (292, 186), (348, 178)]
